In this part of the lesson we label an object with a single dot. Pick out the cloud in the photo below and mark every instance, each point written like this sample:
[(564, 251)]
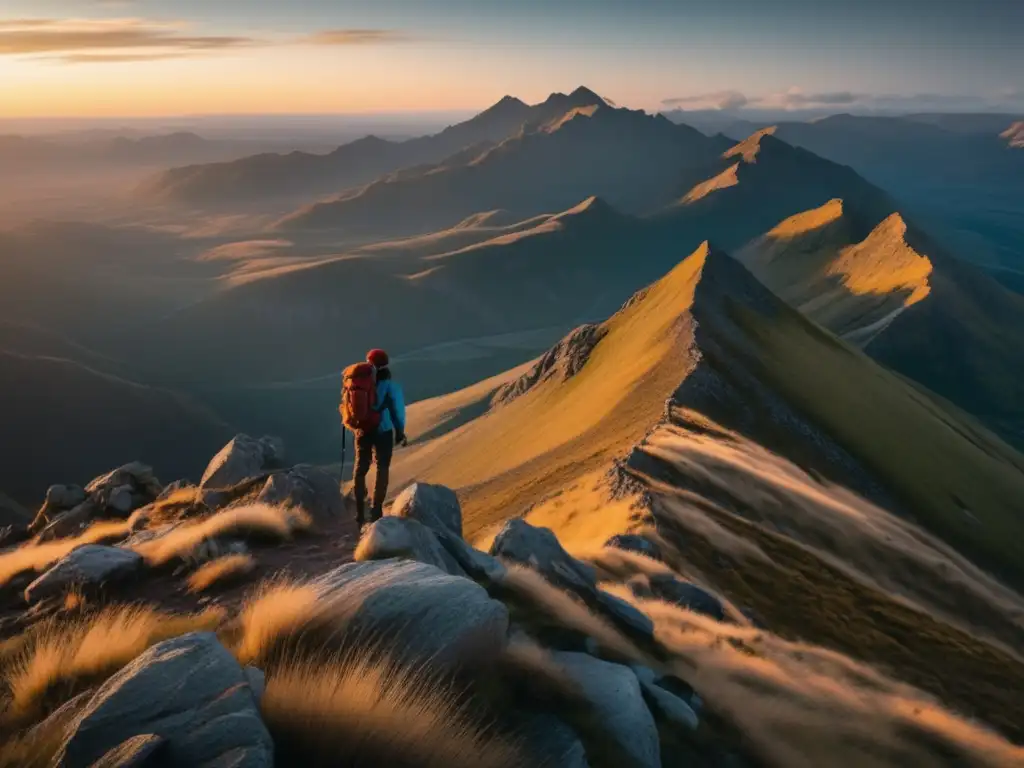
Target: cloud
[(77, 40), (724, 100), (795, 99), (354, 37)]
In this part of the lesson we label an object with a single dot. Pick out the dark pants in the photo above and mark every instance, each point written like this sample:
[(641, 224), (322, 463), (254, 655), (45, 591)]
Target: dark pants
[(375, 447)]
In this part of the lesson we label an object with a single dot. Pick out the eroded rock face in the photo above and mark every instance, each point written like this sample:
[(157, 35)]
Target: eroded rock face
[(423, 611), (436, 506), (88, 566), (614, 694), (562, 362), (242, 458), (191, 693)]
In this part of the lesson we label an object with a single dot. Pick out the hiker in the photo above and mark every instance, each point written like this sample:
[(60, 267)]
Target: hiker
[(372, 407)]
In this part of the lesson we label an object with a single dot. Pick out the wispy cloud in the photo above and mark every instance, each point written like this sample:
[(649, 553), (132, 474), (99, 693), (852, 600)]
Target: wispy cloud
[(715, 100), (355, 37), (795, 99), (75, 40)]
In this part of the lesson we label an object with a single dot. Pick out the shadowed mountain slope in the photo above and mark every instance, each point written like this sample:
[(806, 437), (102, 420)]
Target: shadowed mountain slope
[(65, 421)]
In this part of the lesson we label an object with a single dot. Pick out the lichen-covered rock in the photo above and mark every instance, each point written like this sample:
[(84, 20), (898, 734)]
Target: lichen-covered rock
[(424, 612), (88, 566), (188, 691), (436, 506), (242, 458), (614, 694), (405, 538)]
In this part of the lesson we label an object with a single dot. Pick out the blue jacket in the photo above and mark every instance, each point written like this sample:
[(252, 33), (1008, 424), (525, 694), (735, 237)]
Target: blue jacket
[(390, 400)]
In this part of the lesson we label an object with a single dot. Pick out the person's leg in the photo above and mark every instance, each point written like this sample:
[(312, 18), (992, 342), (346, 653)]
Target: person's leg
[(364, 455), (383, 448)]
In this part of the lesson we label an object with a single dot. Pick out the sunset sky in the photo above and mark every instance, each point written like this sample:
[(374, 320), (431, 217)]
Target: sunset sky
[(167, 57)]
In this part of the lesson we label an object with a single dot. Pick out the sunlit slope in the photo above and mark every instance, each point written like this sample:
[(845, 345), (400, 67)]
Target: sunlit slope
[(818, 262), (891, 290), (560, 428), (715, 341)]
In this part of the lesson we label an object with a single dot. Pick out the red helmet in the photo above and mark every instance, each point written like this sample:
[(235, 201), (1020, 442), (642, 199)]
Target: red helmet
[(378, 358)]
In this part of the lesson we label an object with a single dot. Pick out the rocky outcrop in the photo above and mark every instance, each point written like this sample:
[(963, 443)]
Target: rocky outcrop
[(632, 542), (614, 694), (191, 693), (88, 567), (420, 610), (242, 458), (561, 363)]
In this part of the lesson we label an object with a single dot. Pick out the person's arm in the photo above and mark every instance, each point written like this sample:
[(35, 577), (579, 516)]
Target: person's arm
[(398, 410)]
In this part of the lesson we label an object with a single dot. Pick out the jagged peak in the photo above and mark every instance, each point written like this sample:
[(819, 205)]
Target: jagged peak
[(751, 147), (581, 97), (505, 104), (724, 281)]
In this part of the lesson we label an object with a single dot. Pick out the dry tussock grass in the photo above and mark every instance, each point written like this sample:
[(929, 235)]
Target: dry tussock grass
[(364, 711), (60, 658), (277, 611), (219, 571), (38, 556), (250, 520), (530, 590), (802, 705)]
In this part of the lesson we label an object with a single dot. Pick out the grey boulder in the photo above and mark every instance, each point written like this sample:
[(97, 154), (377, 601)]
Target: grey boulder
[(306, 487), (423, 611), (436, 506), (136, 475), (406, 538), (243, 457), (539, 549), (615, 697), (664, 704), (70, 522), (188, 691), (88, 565)]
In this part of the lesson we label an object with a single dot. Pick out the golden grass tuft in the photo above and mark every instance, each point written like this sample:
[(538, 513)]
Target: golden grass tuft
[(38, 556), (375, 713), (252, 519), (61, 658), (276, 611), (221, 570)]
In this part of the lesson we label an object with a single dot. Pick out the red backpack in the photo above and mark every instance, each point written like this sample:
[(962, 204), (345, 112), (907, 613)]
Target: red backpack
[(359, 398)]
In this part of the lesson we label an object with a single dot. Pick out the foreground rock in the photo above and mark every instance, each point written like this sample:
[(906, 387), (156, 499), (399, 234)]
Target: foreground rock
[(137, 752), (190, 693), (419, 609), (613, 692), (126, 488), (242, 458), (436, 506), (87, 566)]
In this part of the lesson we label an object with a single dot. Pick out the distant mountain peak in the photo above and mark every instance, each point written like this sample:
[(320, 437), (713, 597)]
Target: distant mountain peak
[(592, 207), (750, 147), (581, 97), (807, 221)]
